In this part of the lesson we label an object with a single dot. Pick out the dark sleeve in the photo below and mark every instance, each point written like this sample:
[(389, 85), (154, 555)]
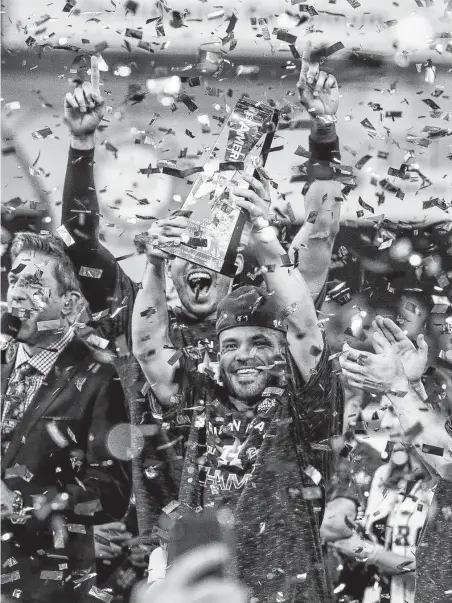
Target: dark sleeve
[(80, 216), (102, 489), (318, 408)]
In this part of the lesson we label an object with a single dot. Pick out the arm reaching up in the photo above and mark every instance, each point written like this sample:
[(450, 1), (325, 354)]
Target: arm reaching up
[(83, 113), (287, 285), (313, 244), (150, 324)]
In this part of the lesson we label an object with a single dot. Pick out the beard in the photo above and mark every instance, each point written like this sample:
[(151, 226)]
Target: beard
[(250, 391)]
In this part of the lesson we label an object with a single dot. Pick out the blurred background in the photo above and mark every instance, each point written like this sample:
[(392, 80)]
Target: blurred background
[(393, 61)]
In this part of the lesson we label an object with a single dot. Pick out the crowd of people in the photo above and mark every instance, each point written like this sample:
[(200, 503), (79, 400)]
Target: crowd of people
[(123, 415)]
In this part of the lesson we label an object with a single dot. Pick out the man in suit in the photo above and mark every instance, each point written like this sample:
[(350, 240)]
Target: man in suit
[(59, 407)]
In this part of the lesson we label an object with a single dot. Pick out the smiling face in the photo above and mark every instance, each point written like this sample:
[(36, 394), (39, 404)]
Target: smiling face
[(247, 357), (33, 292), (199, 289)]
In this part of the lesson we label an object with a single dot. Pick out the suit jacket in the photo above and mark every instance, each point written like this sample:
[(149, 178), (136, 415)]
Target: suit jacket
[(62, 443)]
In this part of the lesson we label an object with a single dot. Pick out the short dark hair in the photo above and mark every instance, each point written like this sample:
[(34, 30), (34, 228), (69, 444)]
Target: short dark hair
[(53, 247)]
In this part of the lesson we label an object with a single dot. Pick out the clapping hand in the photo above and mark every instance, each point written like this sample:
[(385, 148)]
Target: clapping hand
[(389, 337), (396, 359)]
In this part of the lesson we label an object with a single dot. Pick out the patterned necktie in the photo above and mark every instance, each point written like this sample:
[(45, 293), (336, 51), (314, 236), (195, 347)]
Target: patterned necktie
[(14, 402)]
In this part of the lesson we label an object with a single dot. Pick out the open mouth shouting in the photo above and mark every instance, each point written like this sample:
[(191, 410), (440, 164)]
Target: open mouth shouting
[(200, 283)]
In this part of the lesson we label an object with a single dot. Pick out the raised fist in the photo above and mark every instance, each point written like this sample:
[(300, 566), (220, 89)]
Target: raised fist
[(84, 107)]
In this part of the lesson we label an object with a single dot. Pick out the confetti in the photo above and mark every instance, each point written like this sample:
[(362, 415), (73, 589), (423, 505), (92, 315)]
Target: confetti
[(19, 471), (51, 575), (88, 508), (175, 357), (170, 507), (369, 127), (284, 36), (133, 33), (312, 493), (65, 235), (362, 162), (314, 474), (90, 272), (76, 528), (366, 206), (429, 449), (317, 56), (290, 309), (188, 102), (12, 577), (40, 134), (101, 594), (48, 325)]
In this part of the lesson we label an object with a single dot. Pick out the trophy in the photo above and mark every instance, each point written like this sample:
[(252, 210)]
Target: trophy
[(215, 223)]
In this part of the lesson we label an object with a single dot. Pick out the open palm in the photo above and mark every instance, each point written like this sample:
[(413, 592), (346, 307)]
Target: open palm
[(390, 337)]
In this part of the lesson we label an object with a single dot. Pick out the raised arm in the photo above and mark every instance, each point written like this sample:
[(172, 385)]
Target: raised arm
[(152, 346), (83, 112), (286, 284), (312, 246)]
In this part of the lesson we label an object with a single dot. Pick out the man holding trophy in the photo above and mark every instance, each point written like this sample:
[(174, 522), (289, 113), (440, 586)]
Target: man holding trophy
[(259, 425)]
